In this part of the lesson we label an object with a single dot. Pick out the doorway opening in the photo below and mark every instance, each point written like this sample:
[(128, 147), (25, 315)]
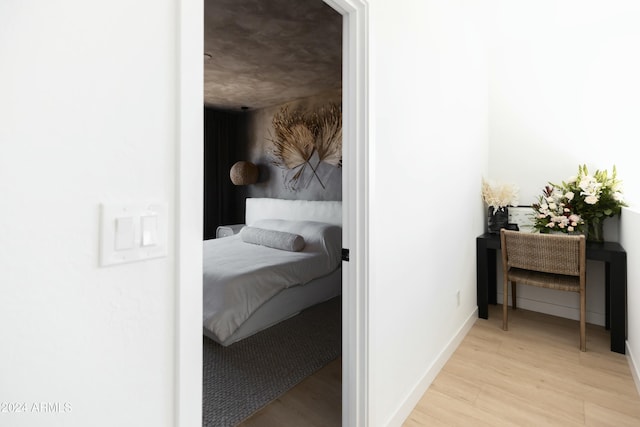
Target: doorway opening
[(188, 382), (272, 94)]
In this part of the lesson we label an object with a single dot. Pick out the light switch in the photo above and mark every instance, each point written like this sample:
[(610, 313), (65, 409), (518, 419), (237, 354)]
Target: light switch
[(124, 235), (133, 232), (149, 227)]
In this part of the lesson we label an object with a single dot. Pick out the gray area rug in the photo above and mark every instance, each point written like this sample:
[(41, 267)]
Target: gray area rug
[(242, 378)]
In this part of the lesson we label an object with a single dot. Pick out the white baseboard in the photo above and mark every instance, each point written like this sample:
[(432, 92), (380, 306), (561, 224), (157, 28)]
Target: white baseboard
[(432, 372), (634, 366)]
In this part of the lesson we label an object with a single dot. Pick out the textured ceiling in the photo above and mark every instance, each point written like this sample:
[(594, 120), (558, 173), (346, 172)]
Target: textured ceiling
[(260, 53)]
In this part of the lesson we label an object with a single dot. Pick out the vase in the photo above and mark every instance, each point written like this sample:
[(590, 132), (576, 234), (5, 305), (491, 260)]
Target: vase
[(497, 219), (594, 230)]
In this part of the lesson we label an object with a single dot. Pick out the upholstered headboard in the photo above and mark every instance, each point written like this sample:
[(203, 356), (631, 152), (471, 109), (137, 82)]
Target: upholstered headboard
[(300, 210)]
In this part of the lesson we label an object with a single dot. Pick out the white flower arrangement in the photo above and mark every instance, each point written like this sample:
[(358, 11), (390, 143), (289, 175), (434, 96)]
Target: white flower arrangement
[(597, 195), (580, 203), (554, 212)]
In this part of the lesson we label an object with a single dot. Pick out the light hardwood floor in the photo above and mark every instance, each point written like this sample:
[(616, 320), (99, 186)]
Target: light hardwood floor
[(532, 375)]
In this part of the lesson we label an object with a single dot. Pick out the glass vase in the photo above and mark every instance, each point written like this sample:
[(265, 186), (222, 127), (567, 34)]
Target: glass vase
[(497, 219), (595, 230)]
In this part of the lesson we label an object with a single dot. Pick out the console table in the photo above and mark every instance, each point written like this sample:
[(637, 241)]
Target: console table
[(614, 257)]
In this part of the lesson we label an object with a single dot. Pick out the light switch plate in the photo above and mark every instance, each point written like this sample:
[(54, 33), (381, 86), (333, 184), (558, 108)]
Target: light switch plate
[(133, 232)]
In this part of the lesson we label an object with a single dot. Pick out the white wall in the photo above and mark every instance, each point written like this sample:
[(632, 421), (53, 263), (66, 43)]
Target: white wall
[(87, 116), (429, 150), (564, 91), (630, 230)]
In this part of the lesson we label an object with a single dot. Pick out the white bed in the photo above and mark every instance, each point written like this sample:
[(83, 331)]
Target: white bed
[(249, 287)]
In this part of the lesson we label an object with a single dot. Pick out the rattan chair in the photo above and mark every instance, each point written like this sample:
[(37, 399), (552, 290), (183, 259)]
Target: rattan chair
[(554, 261)]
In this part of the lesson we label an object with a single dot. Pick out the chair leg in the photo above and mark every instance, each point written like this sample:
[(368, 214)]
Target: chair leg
[(583, 321), (505, 303), (513, 295)]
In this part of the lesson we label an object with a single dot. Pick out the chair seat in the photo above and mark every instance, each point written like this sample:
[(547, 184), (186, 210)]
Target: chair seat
[(544, 280)]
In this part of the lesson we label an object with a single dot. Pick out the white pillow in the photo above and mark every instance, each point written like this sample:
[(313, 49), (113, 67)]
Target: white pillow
[(318, 236), (272, 239)]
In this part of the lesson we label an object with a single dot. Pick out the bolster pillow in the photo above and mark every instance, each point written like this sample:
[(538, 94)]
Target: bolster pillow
[(272, 239)]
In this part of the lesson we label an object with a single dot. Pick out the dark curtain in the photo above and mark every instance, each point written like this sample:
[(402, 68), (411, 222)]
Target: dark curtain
[(221, 197)]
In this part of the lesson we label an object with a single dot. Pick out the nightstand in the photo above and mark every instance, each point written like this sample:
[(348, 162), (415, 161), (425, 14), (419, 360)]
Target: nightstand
[(228, 230)]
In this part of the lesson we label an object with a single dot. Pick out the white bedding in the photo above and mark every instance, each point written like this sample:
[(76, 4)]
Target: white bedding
[(239, 277)]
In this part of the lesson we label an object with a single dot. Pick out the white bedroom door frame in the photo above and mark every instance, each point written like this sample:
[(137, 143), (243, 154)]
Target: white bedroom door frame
[(355, 223), (188, 212)]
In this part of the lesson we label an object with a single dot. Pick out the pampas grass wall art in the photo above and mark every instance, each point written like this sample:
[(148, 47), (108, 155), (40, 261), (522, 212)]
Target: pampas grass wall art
[(303, 140)]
